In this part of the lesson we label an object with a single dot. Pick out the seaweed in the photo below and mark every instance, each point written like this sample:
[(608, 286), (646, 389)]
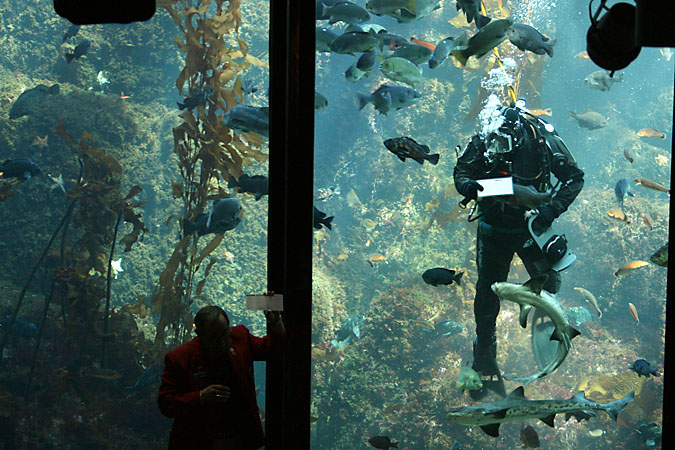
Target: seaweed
[(208, 151)]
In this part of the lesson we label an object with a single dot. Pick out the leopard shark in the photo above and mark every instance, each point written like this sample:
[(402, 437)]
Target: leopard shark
[(515, 408), (529, 295)]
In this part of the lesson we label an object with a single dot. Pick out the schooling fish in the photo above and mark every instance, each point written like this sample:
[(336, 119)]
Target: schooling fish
[(321, 219), (256, 184), (643, 368), (223, 217), (382, 442), (621, 191), (660, 257), (525, 37), (198, 98), (590, 298), (601, 80), (23, 169), (628, 155), (441, 52), (487, 38), (633, 312), (589, 119)]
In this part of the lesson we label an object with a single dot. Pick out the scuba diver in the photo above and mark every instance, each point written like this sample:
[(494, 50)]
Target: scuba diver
[(527, 150)]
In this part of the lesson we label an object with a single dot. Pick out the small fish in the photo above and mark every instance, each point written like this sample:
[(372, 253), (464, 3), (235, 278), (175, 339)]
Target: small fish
[(382, 442), (589, 119), (256, 184), (628, 155), (406, 147), (618, 214), (367, 61), (441, 52), (347, 12), (633, 312), (582, 55), (324, 37), (651, 184), (630, 266), (248, 119), (596, 433), (313, 419), (149, 376), (224, 216), (386, 98), (349, 330), (124, 97), (468, 379), (98, 372), (651, 132), (601, 80), (327, 193), (30, 99), (321, 219), (354, 42), (471, 9), (377, 257), (320, 102), (542, 112), (72, 31), (424, 324), (443, 276), (416, 54), (660, 257), (648, 221), (354, 74), (590, 298), (621, 191), (330, 355), (529, 436), (21, 327), (41, 142), (401, 69), (527, 38), (81, 50), (198, 98), (428, 45), (385, 7), (487, 38), (643, 368), (23, 169)]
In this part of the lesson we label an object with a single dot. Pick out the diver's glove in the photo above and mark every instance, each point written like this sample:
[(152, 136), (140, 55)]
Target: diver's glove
[(543, 220), (471, 188)]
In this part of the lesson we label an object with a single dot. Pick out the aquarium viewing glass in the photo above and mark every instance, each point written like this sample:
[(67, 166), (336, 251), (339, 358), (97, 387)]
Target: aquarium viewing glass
[(132, 196), (390, 350)]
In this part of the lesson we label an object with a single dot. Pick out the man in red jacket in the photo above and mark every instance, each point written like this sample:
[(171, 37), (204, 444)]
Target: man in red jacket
[(207, 383)]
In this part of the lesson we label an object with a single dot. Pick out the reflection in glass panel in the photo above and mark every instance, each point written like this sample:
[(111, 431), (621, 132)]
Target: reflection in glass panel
[(399, 283), (141, 150)]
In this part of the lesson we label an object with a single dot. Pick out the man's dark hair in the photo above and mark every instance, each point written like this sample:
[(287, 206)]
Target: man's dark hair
[(207, 315)]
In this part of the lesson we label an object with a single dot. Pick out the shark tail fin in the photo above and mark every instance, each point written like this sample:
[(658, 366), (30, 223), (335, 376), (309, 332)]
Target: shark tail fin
[(617, 406)]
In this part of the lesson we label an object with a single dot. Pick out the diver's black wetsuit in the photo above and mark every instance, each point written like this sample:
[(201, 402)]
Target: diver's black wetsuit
[(502, 228)]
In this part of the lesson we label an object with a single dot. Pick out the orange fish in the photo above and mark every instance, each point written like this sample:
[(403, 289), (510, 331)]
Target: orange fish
[(633, 311), (428, 45), (122, 96), (582, 55), (376, 257), (542, 112), (630, 266), (651, 132), (646, 219), (618, 214)]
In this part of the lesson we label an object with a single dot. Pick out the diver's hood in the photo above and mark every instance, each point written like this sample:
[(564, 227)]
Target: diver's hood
[(509, 135)]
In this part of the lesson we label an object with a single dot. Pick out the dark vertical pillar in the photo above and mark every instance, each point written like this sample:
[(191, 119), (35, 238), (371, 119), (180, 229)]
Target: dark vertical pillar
[(292, 28)]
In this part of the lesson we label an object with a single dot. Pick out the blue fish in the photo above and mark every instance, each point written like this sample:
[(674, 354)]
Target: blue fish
[(21, 328), (642, 367), (149, 376), (23, 169), (621, 190), (350, 330)]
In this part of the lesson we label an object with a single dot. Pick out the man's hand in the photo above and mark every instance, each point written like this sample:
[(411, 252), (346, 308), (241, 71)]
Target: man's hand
[(216, 393), (543, 220), (273, 317), (471, 188)]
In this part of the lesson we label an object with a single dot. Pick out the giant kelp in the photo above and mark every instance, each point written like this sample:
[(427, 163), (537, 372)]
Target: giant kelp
[(208, 151)]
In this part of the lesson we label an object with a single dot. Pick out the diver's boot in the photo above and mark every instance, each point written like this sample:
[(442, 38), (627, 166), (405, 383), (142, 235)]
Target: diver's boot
[(485, 363)]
